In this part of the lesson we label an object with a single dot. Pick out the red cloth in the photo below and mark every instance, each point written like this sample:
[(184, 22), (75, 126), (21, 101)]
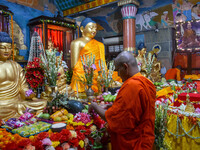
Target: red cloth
[(193, 97), (131, 118)]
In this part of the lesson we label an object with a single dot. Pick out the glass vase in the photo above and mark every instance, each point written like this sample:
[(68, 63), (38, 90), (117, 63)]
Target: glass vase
[(90, 92)]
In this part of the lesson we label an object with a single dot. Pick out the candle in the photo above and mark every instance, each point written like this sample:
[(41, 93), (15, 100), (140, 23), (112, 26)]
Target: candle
[(77, 90)]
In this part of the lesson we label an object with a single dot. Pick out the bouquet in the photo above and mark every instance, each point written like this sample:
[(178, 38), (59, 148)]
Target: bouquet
[(34, 73), (88, 67), (149, 63), (51, 66), (107, 74)]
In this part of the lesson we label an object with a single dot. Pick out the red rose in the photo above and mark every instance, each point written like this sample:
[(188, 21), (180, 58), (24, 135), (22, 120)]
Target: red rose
[(55, 137), (23, 143), (42, 135), (74, 142), (59, 148), (38, 145)]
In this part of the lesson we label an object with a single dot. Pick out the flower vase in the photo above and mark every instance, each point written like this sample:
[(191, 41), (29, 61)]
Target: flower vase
[(90, 93), (53, 92)]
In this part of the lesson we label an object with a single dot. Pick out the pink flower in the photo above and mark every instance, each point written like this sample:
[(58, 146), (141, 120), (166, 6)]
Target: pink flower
[(93, 66), (197, 111), (65, 146), (46, 141)]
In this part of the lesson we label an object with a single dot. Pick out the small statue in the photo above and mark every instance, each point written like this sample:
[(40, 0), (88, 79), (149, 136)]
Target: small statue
[(155, 74), (99, 83), (13, 86), (141, 59), (189, 105)]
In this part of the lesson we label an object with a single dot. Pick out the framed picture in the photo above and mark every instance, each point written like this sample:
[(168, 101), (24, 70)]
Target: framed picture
[(188, 36)]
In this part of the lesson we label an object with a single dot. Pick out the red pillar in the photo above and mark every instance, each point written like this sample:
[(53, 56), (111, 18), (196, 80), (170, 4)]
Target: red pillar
[(129, 10)]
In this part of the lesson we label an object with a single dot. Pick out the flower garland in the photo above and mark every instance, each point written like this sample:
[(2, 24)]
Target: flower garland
[(178, 121), (59, 23)]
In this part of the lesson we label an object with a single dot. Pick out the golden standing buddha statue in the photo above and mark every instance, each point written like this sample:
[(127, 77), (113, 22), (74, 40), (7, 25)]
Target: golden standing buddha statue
[(86, 45), (13, 86)]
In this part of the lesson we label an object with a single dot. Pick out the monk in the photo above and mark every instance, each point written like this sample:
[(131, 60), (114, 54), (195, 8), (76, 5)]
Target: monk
[(86, 45), (173, 74), (131, 118), (14, 90)]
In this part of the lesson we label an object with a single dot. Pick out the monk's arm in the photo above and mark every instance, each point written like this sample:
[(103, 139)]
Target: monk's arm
[(98, 109), (75, 51)]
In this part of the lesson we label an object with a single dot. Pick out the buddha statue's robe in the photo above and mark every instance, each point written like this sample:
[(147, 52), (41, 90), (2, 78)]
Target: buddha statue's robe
[(97, 49), (12, 88)]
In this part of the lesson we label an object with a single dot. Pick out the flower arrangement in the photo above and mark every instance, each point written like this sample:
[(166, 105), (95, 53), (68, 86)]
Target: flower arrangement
[(51, 66), (34, 73), (107, 74), (149, 63), (89, 66)]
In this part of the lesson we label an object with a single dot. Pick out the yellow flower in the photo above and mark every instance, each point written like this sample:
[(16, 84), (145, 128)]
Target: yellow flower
[(1, 136), (31, 137), (81, 143), (55, 143)]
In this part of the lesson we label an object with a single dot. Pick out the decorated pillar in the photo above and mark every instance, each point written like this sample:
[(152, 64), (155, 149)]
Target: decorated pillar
[(129, 10)]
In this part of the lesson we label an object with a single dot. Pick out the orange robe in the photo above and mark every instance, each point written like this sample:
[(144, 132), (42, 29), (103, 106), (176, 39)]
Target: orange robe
[(174, 74), (131, 118), (97, 49)]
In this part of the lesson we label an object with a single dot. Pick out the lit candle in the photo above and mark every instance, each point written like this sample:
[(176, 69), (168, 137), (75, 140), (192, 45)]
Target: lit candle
[(77, 90)]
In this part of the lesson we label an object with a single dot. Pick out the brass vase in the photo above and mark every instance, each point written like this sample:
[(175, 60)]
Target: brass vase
[(90, 92)]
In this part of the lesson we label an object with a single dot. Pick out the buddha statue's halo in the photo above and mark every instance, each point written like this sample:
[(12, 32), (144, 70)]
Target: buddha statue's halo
[(5, 38), (86, 21)]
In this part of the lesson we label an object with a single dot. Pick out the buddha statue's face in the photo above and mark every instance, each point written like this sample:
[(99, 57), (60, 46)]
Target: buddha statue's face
[(5, 51), (143, 51), (90, 30)]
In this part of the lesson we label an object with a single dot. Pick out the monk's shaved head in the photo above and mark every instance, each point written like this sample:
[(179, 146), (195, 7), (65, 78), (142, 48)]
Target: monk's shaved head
[(126, 65), (126, 57)]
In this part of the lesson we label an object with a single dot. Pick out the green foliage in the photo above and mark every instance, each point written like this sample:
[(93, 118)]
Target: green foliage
[(69, 74), (160, 126)]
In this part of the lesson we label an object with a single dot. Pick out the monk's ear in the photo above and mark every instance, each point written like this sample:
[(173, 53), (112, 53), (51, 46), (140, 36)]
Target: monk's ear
[(81, 29), (125, 66)]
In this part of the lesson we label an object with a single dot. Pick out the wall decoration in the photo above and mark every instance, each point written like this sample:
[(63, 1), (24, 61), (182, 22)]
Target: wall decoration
[(186, 10), (188, 36), (145, 20), (18, 36)]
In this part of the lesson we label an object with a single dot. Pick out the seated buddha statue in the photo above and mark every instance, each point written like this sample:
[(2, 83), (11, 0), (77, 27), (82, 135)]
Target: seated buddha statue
[(86, 45), (155, 74), (141, 58), (13, 87)]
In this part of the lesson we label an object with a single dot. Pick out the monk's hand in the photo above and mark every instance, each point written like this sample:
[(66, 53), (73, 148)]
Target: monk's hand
[(106, 106), (91, 107)]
